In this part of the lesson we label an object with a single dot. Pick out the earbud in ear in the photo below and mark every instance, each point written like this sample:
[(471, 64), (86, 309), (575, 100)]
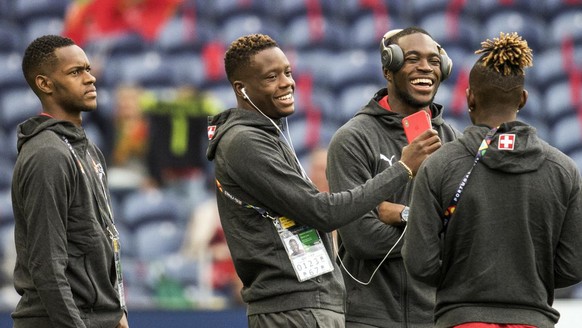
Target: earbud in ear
[(244, 92)]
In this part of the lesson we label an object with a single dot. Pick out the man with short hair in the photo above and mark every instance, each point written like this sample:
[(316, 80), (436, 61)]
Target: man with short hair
[(265, 197), (380, 294), (68, 270)]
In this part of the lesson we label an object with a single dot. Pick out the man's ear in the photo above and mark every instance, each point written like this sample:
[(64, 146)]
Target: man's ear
[(470, 98), (44, 84), (523, 99), (238, 87), (388, 74)]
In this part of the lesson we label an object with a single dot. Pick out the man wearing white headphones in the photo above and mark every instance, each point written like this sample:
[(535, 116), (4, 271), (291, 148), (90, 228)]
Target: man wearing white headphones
[(265, 198), (380, 293)]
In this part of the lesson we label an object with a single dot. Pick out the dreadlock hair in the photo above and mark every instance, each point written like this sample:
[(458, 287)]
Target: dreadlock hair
[(40, 55), (242, 49), (501, 68)]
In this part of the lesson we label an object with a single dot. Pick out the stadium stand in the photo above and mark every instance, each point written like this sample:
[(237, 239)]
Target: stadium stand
[(333, 48)]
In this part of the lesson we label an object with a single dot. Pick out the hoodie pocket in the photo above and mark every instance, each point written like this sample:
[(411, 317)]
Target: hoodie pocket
[(81, 282)]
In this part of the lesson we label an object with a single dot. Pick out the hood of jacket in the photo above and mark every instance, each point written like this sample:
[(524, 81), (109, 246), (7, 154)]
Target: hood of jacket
[(37, 124), (527, 153), (375, 109), (220, 124)]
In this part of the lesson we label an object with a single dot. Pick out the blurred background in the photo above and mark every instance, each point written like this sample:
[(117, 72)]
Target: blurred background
[(159, 69)]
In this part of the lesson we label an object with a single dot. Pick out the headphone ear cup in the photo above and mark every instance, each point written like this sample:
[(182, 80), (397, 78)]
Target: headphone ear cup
[(392, 57), (446, 64)]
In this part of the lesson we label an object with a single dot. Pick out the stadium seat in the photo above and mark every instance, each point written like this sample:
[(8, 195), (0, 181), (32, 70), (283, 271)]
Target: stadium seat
[(352, 99), (129, 43), (530, 27), (485, 8), (367, 30), (460, 31), (566, 133), (542, 128), (304, 32), (317, 63), (187, 69), (551, 8), (41, 26), (421, 8), (222, 10), (350, 10), (183, 35), (147, 69), (26, 10), (357, 67), (247, 23), (10, 38), (143, 207), (7, 9), (154, 240), (320, 99), (11, 68), (287, 10), (567, 24), (534, 107), (223, 93), (558, 101), (549, 67), (17, 106)]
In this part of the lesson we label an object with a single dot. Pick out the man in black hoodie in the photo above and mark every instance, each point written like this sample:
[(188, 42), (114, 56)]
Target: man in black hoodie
[(68, 270), (264, 195), (496, 216), (380, 294)]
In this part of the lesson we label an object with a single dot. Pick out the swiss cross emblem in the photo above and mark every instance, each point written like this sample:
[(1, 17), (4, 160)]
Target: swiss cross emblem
[(211, 130), (506, 142)]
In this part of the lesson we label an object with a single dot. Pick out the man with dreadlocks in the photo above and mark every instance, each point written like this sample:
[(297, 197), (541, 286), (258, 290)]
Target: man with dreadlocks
[(496, 216)]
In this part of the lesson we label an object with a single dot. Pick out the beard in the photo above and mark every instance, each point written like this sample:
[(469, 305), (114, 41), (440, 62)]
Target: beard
[(411, 101)]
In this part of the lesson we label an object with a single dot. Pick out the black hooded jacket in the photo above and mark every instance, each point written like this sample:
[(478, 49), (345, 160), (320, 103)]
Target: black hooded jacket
[(257, 167), (365, 146), (514, 236), (65, 269)]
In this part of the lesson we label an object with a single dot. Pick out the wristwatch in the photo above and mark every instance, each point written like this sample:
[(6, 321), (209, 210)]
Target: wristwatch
[(404, 214)]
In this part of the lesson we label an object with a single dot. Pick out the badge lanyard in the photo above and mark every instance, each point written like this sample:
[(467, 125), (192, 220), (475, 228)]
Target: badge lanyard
[(107, 219), (455, 200), (303, 244)]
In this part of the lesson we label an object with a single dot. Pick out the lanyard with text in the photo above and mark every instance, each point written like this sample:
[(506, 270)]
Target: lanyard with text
[(107, 218), (303, 244), (455, 200)]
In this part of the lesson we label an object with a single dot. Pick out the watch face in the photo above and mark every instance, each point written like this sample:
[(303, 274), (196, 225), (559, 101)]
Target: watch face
[(404, 214)]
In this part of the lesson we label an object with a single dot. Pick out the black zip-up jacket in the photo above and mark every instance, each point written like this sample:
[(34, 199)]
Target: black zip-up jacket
[(257, 167), (365, 146), (514, 236), (65, 271)]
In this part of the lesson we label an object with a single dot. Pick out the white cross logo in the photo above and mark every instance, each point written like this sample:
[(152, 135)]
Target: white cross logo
[(506, 141)]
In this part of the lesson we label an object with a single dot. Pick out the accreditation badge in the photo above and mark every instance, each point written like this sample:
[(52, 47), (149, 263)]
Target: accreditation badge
[(305, 249)]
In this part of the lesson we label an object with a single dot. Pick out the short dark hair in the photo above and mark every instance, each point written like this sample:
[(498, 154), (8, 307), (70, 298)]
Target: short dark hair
[(40, 54), (500, 68), (242, 49), (407, 31)]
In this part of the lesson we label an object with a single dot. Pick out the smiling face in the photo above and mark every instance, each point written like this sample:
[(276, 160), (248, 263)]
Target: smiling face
[(269, 84), (415, 84)]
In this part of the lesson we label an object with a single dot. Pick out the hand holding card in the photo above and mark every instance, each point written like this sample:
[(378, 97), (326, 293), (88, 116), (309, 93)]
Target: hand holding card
[(415, 124)]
